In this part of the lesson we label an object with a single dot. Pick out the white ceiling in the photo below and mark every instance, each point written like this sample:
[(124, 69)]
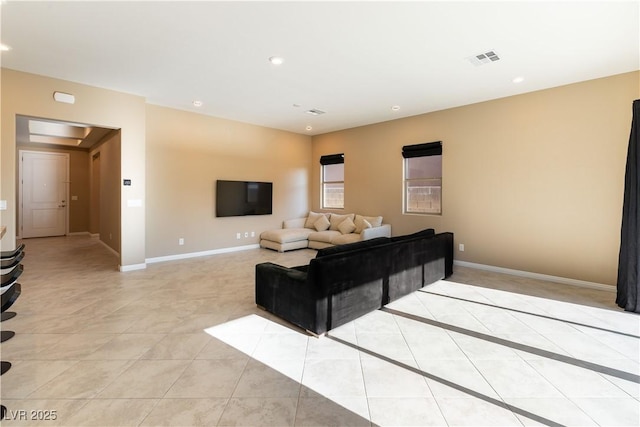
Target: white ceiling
[(353, 60)]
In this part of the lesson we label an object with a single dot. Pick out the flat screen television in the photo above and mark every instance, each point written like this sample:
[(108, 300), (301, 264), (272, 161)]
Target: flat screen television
[(239, 198)]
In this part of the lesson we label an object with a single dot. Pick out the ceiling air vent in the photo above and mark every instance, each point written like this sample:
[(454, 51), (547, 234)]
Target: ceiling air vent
[(314, 112), (484, 58)]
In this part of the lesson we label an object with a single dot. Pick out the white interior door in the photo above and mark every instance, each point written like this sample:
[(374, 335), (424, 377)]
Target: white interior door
[(44, 179)]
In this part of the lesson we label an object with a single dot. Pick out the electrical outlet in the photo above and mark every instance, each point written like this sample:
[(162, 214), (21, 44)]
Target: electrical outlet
[(181, 241), (461, 247), (246, 234), (237, 235)]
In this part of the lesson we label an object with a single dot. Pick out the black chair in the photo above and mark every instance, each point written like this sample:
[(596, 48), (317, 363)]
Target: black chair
[(11, 262), (4, 367), (13, 253), (9, 296), (10, 277), (6, 335), (10, 259), (7, 315)]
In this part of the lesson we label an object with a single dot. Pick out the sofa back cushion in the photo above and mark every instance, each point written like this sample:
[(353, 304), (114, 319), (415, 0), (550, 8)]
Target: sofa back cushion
[(339, 272), (311, 219), (336, 220), (361, 222)]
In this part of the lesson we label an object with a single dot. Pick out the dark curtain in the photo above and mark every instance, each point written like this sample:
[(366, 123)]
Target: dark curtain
[(332, 159), (629, 260)]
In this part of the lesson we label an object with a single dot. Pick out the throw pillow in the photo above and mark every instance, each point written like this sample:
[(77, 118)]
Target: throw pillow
[(311, 219), (321, 224), (360, 223), (347, 226), (336, 220), (375, 221)]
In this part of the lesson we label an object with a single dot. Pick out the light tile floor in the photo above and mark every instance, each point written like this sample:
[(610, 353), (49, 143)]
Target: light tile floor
[(182, 343)]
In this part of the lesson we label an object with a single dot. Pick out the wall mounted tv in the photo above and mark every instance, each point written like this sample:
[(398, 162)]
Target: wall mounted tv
[(239, 198)]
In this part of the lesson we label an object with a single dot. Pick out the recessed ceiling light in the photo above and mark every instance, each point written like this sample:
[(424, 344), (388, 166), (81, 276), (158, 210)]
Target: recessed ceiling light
[(197, 103), (395, 108), (518, 79), (276, 60), (4, 48), (309, 128)]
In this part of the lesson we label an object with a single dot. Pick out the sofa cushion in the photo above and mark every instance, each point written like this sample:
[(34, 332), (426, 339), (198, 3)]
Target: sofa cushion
[(311, 219), (351, 246), (286, 235), (347, 226), (324, 236), (336, 219), (361, 224), (375, 221), (346, 238), (322, 223)]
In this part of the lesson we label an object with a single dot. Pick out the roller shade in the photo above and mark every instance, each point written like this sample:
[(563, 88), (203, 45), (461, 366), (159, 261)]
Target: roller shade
[(332, 159), (422, 150)]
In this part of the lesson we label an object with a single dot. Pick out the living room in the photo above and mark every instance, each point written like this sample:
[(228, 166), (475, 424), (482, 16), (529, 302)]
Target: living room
[(523, 176), (144, 312)]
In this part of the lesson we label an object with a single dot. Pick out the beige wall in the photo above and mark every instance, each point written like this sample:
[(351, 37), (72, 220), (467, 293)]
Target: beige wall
[(531, 182), (106, 215), (78, 185), (32, 95), (187, 153)]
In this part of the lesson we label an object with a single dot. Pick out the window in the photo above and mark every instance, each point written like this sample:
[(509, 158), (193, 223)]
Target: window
[(332, 181), (423, 178)]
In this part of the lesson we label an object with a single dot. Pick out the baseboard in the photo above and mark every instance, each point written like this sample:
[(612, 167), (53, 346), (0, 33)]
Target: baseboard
[(530, 275), (121, 268), (79, 233), (132, 267), (113, 251), (202, 253)]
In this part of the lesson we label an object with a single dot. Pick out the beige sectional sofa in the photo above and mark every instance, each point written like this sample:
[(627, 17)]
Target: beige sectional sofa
[(321, 230)]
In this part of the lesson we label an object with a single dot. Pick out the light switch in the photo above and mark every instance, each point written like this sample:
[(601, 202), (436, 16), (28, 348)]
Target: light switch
[(74, 197), (3, 205)]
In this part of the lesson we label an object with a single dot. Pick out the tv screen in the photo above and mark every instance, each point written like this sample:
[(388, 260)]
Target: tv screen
[(239, 198)]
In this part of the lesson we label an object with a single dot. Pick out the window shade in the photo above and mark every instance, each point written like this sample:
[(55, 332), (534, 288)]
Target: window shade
[(422, 150), (332, 159)]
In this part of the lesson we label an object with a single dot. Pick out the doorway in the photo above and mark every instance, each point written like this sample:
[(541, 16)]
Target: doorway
[(74, 196)]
